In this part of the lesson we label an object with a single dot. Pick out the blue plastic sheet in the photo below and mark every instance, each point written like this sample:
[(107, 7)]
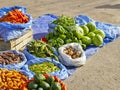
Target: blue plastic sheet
[(15, 66), (9, 30), (42, 24), (62, 73)]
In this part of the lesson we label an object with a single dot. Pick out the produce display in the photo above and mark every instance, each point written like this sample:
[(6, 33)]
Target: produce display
[(40, 49), (85, 35), (74, 53), (11, 79), (15, 16), (44, 82), (10, 57), (45, 67), (65, 31)]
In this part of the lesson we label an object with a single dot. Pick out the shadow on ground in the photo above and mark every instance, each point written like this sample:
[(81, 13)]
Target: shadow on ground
[(116, 6)]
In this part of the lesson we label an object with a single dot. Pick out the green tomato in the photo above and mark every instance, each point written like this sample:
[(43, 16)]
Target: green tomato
[(85, 29), (100, 32), (91, 35), (97, 40), (91, 26), (86, 40)]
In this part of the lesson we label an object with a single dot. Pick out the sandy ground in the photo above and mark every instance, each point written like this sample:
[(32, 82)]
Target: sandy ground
[(102, 70)]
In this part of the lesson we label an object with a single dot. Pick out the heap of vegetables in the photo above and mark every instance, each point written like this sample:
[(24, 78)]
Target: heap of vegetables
[(46, 82), (10, 57), (40, 49), (15, 16), (67, 31), (11, 79), (64, 21), (45, 67)]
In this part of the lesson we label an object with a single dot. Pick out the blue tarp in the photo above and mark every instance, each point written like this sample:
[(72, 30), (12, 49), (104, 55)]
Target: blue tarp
[(40, 28), (9, 30)]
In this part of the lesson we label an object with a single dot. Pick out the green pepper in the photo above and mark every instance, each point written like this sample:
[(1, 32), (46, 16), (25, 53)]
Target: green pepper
[(64, 21), (62, 36), (69, 35), (60, 41), (68, 40), (60, 29), (75, 39)]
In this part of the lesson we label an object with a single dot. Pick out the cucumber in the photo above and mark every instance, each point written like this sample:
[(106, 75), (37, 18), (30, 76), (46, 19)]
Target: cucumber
[(38, 78), (32, 85), (50, 80), (45, 85), (56, 86)]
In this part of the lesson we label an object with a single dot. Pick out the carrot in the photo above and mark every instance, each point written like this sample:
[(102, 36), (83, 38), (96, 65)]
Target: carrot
[(15, 16)]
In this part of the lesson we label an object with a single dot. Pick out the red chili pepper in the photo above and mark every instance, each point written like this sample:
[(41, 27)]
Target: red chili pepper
[(43, 39)]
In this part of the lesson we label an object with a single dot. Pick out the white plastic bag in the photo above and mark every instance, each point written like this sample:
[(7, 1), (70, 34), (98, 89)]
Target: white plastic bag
[(67, 60)]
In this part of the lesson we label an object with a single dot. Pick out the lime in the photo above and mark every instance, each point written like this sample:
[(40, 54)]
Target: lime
[(100, 32), (86, 40), (85, 29), (97, 40), (91, 26)]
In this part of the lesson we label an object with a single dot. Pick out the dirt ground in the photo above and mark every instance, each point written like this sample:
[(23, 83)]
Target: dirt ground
[(102, 70)]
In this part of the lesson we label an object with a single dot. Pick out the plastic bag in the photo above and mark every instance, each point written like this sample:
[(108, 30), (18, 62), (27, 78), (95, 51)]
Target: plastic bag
[(67, 60), (15, 66), (62, 73), (9, 30)]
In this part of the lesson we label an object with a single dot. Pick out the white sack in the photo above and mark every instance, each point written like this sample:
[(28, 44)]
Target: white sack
[(67, 60)]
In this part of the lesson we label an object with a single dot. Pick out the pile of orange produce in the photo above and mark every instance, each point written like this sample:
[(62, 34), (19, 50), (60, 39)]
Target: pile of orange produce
[(11, 79), (15, 16)]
